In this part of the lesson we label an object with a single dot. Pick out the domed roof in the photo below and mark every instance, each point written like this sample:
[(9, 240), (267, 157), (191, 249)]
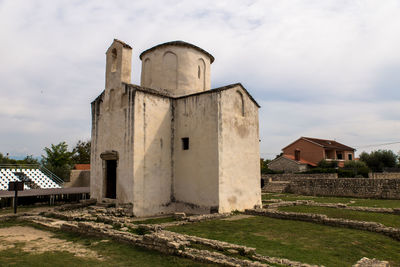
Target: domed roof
[(178, 43)]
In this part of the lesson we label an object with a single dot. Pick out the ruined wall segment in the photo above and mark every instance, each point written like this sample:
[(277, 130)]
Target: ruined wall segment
[(179, 67)]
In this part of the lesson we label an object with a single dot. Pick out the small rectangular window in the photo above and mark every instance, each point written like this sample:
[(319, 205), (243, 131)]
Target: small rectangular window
[(350, 157), (185, 143), (297, 155)]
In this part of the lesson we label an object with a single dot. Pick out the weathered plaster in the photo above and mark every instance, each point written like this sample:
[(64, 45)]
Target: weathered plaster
[(219, 172)]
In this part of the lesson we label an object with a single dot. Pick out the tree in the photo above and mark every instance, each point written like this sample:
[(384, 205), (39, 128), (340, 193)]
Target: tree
[(58, 160), (359, 168), (81, 153), (380, 159), (264, 165), (27, 160), (30, 160)]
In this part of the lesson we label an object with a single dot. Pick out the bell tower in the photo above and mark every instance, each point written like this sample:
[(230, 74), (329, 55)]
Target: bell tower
[(118, 64)]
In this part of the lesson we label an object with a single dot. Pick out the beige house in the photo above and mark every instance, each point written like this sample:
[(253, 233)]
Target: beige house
[(173, 143)]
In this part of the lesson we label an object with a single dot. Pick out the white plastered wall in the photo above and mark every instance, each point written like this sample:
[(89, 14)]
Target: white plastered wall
[(152, 155), (196, 169), (239, 153), (114, 113), (179, 76)]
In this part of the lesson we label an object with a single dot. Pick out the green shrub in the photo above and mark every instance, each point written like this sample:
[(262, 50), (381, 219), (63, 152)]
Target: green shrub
[(327, 164), (358, 168)]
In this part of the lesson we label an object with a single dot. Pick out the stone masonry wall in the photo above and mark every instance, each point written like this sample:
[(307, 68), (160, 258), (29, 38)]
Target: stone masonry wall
[(292, 176), (347, 187), (78, 178), (384, 175)]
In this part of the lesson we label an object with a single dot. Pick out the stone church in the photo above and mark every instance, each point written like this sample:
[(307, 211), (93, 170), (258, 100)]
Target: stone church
[(173, 144)]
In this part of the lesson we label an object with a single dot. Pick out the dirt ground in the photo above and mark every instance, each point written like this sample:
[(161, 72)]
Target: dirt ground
[(37, 241)]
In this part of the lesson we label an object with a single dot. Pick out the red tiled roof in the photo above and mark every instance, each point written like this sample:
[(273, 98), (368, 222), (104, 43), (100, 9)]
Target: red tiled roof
[(300, 161), (82, 167), (330, 144)]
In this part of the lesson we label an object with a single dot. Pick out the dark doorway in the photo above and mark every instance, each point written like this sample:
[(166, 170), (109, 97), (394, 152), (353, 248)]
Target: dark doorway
[(111, 179)]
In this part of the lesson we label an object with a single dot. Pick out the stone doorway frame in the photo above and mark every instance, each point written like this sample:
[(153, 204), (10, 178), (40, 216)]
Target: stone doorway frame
[(107, 157)]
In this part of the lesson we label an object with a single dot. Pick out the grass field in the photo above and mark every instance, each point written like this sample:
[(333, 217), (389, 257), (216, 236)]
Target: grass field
[(301, 241), (385, 219), (377, 203), (156, 220), (114, 253)]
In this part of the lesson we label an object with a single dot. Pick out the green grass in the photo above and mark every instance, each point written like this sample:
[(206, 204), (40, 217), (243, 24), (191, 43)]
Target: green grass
[(114, 253), (386, 219), (301, 241), (364, 202), (156, 220)]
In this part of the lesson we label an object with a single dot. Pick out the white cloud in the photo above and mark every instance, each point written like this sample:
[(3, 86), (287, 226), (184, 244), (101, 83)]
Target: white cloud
[(356, 124), (319, 68)]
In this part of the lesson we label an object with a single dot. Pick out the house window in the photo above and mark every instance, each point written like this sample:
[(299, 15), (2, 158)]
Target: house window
[(297, 155), (350, 157), (185, 143), (339, 156)]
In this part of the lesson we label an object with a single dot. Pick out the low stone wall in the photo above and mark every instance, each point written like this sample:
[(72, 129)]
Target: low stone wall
[(292, 176), (365, 262), (347, 187), (384, 175), (280, 203), (78, 178), (275, 187), (323, 219)]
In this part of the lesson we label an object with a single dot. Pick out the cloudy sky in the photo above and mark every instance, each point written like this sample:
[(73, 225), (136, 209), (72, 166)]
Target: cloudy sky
[(327, 69)]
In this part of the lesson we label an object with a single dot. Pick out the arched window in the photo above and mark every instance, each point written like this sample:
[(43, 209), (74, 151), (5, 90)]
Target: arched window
[(201, 71), (170, 70), (147, 72), (114, 60), (240, 103)]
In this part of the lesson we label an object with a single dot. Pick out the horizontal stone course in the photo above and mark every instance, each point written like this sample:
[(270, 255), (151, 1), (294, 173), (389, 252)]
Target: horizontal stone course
[(384, 175), (292, 176), (280, 203), (347, 187)]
